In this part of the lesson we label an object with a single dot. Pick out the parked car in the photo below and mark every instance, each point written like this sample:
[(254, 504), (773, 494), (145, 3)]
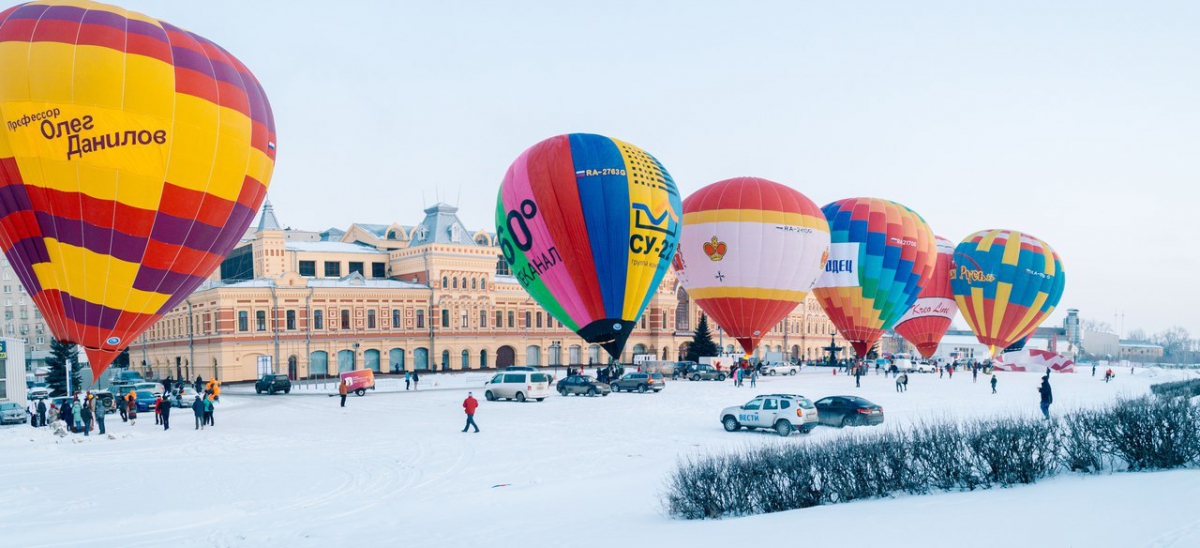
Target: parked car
[(272, 383), (520, 368), (146, 400), (705, 372), (11, 412), (842, 411), (517, 385), (925, 367), (784, 413), (105, 401), (151, 387), (641, 382), (582, 384), (121, 389), (780, 369), (38, 393), (126, 376), (681, 370), (184, 396)]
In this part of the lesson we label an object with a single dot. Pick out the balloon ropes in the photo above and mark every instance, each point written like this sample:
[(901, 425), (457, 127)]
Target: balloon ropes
[(133, 156), (751, 251), (882, 255), (926, 322), (1006, 283), (589, 225)]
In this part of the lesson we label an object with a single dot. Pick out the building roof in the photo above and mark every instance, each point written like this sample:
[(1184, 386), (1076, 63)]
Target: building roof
[(331, 247), (378, 231), (268, 220), (354, 279), (1138, 344), (332, 234), (442, 225)]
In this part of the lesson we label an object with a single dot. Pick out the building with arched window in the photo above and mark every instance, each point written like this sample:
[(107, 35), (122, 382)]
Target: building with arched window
[(394, 298)]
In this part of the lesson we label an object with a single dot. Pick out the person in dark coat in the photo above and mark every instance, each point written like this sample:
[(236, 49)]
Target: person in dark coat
[(164, 412), (86, 413), (858, 376), (198, 410), (470, 405), (41, 411), (167, 382), (199, 386), (64, 414), (416, 379), (98, 411), (993, 383), (1047, 396)]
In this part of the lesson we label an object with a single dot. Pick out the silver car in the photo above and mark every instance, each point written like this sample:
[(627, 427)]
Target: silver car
[(12, 413), (784, 413)]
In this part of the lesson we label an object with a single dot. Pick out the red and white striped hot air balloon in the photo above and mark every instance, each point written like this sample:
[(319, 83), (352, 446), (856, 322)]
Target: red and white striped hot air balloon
[(750, 251), (926, 322)]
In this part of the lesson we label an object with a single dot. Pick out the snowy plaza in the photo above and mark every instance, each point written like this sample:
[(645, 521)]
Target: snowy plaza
[(393, 468)]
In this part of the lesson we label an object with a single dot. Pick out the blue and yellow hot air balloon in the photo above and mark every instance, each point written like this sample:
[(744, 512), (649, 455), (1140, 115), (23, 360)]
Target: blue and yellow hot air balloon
[(589, 225), (1006, 283)]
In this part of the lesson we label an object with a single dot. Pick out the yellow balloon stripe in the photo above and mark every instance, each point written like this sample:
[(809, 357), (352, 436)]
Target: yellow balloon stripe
[(88, 275), (645, 180), (752, 215), (999, 306)]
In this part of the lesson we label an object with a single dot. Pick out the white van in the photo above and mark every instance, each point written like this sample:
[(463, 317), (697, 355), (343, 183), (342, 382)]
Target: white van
[(518, 385)]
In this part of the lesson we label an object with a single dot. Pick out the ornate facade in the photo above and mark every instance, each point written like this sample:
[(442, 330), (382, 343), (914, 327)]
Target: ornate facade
[(394, 297)]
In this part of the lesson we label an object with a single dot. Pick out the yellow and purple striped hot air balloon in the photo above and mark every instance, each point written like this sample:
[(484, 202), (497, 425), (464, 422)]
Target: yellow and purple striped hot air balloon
[(133, 156)]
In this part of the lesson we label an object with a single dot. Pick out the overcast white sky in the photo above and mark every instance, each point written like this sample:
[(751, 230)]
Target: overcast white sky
[(1078, 122)]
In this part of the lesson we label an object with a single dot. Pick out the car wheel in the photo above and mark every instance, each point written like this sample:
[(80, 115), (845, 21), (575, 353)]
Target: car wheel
[(842, 423), (257, 391), (288, 391), (271, 392), (616, 387), (783, 428), (592, 392), (520, 396), (657, 391), (539, 399), (721, 377), (489, 396), (695, 377), (642, 389), (792, 372), (562, 392), (771, 372), (731, 424), (360, 392)]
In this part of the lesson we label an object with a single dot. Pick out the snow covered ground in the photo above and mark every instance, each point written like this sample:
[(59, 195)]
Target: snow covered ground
[(393, 468)]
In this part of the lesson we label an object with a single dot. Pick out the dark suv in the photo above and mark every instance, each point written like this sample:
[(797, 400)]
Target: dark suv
[(272, 383), (705, 372), (641, 382)]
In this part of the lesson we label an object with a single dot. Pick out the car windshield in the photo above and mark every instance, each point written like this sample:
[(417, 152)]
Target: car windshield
[(586, 379), (804, 403), (7, 406)]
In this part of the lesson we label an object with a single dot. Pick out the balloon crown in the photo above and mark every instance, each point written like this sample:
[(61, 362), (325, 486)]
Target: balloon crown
[(715, 249)]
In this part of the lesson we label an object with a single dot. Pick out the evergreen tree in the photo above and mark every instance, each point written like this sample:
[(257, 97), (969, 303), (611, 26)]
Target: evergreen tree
[(62, 355), (702, 343), (122, 359)]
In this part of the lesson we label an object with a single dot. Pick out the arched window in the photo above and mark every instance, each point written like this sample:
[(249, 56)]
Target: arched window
[(466, 359), (445, 282), (682, 315), (483, 359), (533, 355), (472, 283), (445, 360), (464, 282), (371, 360), (318, 364), (502, 267), (574, 355), (455, 283), (396, 357)]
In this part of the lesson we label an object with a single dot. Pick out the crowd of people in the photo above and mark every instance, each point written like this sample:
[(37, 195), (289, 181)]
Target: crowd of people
[(84, 412)]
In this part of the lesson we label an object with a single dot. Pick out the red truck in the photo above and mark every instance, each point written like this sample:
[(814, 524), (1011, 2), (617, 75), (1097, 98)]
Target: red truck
[(358, 382)]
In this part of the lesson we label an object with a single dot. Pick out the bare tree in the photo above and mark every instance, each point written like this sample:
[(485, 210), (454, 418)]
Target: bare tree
[(1175, 342), (1137, 334), (1096, 326)]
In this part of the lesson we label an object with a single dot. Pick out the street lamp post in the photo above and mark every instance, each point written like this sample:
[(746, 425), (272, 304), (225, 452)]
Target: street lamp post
[(555, 349)]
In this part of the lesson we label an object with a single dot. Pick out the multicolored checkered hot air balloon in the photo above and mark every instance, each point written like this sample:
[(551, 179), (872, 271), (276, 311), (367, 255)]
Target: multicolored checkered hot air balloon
[(132, 158), (751, 251), (589, 225), (1006, 283), (882, 255), (926, 322)]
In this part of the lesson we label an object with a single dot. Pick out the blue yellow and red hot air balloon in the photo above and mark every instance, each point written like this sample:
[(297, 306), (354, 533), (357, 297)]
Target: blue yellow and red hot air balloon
[(882, 255), (751, 251), (926, 322), (589, 225), (1006, 283), (133, 156)]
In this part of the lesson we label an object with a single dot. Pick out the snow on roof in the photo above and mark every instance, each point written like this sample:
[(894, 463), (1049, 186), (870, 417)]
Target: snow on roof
[(331, 247), (500, 279)]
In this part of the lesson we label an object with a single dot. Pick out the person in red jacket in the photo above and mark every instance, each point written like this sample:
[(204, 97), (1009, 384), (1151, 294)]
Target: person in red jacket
[(469, 405)]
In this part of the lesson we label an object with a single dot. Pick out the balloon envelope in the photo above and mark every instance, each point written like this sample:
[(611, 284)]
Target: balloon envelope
[(751, 251), (1005, 283), (926, 322), (882, 255), (589, 225), (134, 155)]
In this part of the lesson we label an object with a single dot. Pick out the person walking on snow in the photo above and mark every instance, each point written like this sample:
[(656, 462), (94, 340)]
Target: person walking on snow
[(164, 413), (858, 377), (753, 378), (209, 406), (198, 410), (86, 412), (470, 405), (416, 380), (1047, 396), (41, 412), (98, 409), (993, 383), (158, 410), (407, 379), (975, 374), (342, 390)]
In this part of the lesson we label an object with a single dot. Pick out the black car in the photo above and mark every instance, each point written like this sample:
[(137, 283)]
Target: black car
[(842, 411), (272, 383), (582, 384)]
